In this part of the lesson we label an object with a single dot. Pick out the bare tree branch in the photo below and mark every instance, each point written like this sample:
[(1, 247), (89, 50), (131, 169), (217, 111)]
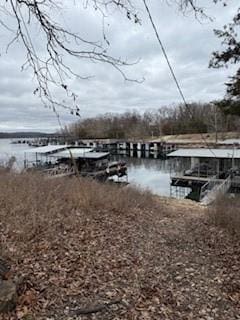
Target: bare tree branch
[(50, 69)]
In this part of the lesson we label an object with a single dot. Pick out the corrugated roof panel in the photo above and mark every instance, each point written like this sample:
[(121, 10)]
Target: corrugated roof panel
[(229, 141), (46, 149), (206, 153), (80, 153), (95, 155)]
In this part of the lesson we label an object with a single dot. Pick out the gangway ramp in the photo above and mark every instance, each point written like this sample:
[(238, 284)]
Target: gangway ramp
[(213, 188)]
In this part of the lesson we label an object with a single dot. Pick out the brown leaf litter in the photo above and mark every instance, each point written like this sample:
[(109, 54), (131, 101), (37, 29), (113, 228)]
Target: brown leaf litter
[(157, 259)]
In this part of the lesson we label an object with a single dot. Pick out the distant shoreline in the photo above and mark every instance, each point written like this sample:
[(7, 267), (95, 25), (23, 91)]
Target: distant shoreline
[(24, 135)]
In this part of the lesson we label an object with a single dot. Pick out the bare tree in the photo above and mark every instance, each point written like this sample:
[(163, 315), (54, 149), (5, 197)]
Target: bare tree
[(50, 69)]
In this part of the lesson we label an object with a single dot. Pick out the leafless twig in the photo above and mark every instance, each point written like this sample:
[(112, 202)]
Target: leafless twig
[(50, 69)]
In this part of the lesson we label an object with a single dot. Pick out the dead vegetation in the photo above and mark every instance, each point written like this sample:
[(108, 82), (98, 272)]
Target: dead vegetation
[(85, 250), (225, 213), (198, 138)]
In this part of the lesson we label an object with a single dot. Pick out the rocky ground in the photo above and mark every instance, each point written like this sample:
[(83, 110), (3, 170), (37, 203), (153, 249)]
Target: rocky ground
[(164, 261)]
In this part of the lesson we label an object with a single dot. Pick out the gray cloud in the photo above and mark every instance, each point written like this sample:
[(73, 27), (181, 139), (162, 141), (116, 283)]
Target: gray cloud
[(189, 45)]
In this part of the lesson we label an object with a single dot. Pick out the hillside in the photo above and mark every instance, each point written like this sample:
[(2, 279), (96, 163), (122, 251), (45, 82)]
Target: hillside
[(199, 138), (84, 250)]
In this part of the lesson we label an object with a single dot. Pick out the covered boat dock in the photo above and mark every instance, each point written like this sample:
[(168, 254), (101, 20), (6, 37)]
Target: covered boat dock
[(211, 171), (92, 164), (34, 157), (66, 160)]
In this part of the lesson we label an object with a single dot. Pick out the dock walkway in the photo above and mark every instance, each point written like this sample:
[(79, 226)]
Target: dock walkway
[(194, 178), (207, 188)]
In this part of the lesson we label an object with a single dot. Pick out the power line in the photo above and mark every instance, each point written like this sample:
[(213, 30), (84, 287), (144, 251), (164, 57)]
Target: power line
[(172, 71), (165, 53)]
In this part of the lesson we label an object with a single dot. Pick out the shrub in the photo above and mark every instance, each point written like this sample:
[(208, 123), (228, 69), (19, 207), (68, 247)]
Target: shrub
[(225, 213)]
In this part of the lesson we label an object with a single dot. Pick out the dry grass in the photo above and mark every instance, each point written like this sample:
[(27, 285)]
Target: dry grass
[(196, 137), (79, 243), (225, 213), (32, 206), (71, 232)]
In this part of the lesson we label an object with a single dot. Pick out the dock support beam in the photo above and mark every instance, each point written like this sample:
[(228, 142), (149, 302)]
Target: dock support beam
[(194, 162)]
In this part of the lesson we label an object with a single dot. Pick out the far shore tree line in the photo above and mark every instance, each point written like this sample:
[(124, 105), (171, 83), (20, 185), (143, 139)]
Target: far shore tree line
[(169, 120)]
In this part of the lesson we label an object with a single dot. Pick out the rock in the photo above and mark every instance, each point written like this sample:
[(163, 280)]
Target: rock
[(8, 296)]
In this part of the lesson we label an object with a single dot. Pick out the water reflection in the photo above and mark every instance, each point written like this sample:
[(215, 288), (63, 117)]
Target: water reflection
[(152, 173)]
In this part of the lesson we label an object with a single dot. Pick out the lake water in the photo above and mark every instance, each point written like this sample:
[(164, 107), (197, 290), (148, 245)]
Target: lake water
[(7, 150), (153, 174)]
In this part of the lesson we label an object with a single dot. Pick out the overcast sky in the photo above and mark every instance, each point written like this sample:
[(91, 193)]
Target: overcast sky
[(188, 43)]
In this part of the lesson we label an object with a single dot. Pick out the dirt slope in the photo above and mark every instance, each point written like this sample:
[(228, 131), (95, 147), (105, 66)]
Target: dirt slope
[(198, 138), (157, 260)]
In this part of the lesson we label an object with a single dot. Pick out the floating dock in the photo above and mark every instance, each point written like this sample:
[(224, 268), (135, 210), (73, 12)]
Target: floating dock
[(60, 161), (212, 172)]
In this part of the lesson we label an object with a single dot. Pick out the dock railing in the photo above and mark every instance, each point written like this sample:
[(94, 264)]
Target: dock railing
[(59, 171), (209, 185), (225, 185), (213, 188)]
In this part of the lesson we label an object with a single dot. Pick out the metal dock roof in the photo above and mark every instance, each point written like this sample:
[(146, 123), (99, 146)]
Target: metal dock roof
[(206, 153), (80, 153), (46, 149), (229, 141)]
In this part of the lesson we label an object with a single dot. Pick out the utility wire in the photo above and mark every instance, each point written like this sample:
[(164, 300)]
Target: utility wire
[(165, 53), (172, 71)]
